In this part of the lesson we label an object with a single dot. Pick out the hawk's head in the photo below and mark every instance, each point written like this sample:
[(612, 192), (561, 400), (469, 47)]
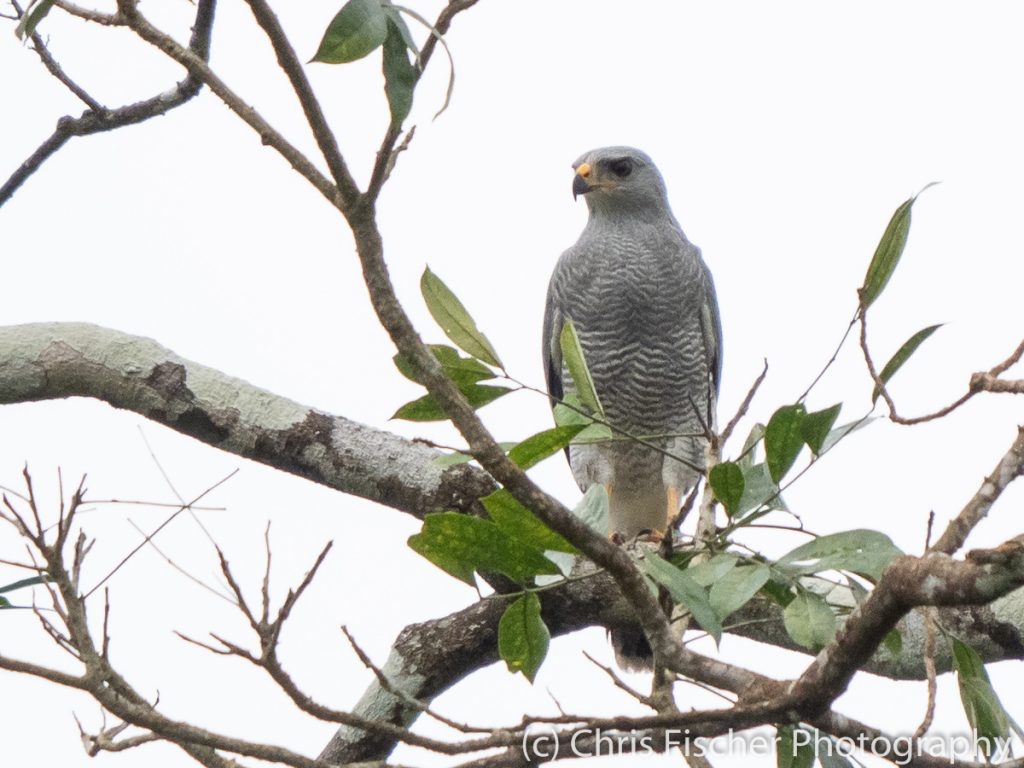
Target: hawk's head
[(618, 178)]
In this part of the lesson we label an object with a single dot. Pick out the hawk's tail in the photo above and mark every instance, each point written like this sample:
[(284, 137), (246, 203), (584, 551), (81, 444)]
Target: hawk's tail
[(632, 651)]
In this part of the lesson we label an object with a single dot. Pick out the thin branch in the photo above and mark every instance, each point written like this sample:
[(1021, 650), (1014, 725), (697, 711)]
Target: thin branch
[(100, 121), (199, 69), (55, 69), (292, 67), (980, 382), (157, 530), (744, 406)]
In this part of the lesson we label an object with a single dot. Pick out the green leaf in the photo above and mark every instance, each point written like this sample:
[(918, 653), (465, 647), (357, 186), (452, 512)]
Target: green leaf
[(778, 591), (893, 642), (840, 433), (783, 439), (726, 479), (460, 457), (521, 524), (759, 490), (29, 582), (888, 253), (737, 587), (749, 452), (395, 17), (572, 356), (427, 408), (593, 509), (399, 74), (816, 425), (461, 370), (794, 750), (460, 544), (523, 638), (540, 446), (451, 315), (985, 712), (860, 551), (360, 27), (31, 18), (710, 571), (685, 591), (809, 621), (902, 355), (830, 753), (569, 413)]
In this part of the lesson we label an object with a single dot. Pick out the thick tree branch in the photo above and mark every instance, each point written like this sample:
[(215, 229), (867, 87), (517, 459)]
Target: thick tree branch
[(908, 582), (1009, 468), (58, 360)]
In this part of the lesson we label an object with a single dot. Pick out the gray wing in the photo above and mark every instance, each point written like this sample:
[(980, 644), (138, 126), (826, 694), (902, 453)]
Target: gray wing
[(711, 328), (552, 352)]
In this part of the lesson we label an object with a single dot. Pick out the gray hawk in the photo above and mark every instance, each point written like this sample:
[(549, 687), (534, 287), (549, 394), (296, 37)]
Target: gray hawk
[(644, 308)]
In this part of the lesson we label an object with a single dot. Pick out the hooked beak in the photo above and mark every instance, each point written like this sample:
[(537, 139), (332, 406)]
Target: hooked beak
[(580, 185)]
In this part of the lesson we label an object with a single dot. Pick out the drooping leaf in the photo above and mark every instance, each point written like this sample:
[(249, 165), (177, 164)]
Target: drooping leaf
[(31, 18), (816, 425), (521, 524), (809, 621), (461, 370), (759, 490), (427, 408), (444, 45), (523, 638), (572, 355), (395, 17), (460, 545), (794, 747), (902, 355), (737, 587), (540, 446), (840, 432), (860, 551), (685, 591), (400, 75), (985, 712), (359, 28), (451, 315), (783, 439), (726, 479), (888, 253)]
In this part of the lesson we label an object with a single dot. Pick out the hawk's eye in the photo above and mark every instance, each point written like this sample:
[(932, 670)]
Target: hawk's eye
[(621, 167)]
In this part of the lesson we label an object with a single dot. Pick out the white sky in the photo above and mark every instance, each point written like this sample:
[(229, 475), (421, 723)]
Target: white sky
[(787, 134)]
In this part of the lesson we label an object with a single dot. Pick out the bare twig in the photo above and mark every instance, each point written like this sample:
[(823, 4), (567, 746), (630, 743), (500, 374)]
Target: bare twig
[(744, 406), (980, 382), (159, 528), (101, 120)]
